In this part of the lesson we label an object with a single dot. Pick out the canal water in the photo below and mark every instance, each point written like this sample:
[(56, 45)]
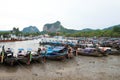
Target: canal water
[(33, 44)]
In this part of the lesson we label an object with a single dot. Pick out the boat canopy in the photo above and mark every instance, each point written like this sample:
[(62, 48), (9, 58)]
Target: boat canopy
[(21, 49)]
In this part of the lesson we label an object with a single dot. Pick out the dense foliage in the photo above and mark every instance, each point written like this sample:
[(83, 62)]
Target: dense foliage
[(114, 32)]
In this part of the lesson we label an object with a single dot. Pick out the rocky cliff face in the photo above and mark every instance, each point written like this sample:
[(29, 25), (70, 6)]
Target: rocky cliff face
[(57, 27), (30, 29), (53, 27)]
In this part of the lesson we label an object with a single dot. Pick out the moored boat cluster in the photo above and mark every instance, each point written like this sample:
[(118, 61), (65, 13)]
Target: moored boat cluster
[(61, 50)]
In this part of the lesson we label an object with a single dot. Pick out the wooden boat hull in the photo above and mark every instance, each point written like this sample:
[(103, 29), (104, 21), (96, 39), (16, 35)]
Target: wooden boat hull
[(37, 58), (114, 52), (11, 61), (24, 59), (96, 54)]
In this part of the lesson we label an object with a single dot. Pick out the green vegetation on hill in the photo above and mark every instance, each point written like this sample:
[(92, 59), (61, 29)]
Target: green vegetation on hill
[(113, 31), (108, 32), (53, 28)]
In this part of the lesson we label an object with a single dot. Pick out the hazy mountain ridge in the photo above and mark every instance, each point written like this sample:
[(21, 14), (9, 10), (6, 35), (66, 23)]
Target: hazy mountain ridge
[(30, 29), (57, 27)]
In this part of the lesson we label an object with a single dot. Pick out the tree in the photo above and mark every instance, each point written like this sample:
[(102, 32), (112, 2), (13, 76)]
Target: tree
[(116, 29)]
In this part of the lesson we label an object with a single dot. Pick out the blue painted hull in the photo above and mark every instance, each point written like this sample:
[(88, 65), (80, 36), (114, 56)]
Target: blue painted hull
[(56, 56)]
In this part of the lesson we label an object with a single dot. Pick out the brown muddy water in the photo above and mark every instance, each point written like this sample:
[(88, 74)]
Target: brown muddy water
[(78, 68)]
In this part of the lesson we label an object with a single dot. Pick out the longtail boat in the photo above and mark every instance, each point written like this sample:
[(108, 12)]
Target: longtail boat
[(24, 57), (56, 53)]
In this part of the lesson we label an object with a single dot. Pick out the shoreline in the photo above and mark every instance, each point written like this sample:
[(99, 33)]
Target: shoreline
[(10, 40)]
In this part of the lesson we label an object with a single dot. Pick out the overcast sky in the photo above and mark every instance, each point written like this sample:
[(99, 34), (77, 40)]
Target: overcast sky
[(73, 14)]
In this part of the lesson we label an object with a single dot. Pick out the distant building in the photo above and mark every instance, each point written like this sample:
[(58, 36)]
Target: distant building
[(13, 36)]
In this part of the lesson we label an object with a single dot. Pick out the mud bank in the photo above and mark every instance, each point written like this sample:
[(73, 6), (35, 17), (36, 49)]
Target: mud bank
[(78, 68)]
